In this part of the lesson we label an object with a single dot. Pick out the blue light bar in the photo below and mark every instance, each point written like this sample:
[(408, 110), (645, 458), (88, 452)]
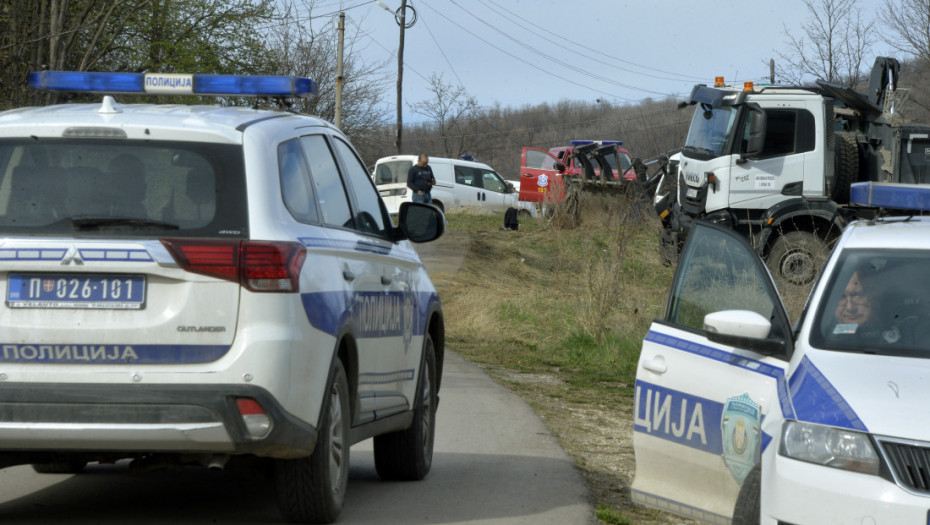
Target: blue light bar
[(467, 156), (173, 84), (893, 196), (598, 142)]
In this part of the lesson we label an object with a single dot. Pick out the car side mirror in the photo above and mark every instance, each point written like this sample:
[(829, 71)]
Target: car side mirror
[(742, 329), (420, 222), (559, 167), (755, 142)]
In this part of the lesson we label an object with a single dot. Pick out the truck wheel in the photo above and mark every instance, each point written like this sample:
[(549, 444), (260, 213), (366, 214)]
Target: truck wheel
[(407, 455), (439, 205), (846, 167), (748, 505), (312, 489), (797, 257)]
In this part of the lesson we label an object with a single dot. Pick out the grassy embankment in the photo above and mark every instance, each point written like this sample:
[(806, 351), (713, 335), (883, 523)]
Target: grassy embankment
[(557, 311)]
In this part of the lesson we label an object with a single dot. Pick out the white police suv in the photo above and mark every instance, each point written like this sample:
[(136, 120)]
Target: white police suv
[(194, 284), (740, 416)]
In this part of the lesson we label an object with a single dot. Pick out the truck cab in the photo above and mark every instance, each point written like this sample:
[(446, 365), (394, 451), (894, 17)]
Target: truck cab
[(776, 165)]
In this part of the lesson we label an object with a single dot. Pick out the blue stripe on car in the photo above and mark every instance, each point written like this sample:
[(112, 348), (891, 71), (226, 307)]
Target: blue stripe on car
[(817, 401), (750, 365), (109, 354)]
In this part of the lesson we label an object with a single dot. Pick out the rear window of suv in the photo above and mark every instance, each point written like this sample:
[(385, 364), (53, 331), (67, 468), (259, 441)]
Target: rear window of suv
[(96, 188)]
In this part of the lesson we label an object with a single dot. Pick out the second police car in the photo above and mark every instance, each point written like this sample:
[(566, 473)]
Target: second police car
[(741, 416), (201, 284)]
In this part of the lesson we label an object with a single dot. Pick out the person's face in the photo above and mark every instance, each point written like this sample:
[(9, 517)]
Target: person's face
[(854, 307), (423, 161)]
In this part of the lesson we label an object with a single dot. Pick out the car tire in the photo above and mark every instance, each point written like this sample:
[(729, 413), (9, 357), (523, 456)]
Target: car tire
[(312, 489), (439, 205), (60, 467), (407, 455), (797, 257), (748, 508)]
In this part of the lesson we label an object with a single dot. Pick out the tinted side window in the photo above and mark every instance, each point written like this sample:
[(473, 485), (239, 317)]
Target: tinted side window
[(787, 132), (295, 182), (330, 192), (468, 176), (369, 218), (95, 187)]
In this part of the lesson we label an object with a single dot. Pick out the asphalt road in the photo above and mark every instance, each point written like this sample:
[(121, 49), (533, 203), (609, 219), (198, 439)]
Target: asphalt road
[(494, 463)]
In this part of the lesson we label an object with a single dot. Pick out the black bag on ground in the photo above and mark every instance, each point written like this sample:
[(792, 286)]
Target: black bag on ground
[(510, 219)]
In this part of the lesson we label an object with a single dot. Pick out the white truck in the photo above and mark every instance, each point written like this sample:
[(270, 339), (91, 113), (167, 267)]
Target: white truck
[(776, 164)]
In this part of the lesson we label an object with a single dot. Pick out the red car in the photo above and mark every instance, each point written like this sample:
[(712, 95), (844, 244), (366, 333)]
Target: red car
[(541, 171)]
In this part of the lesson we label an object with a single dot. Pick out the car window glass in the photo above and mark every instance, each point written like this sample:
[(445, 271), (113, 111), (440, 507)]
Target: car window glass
[(877, 301), (626, 162), (330, 192), (468, 176), (392, 172), (54, 184), (369, 217), (537, 159), (491, 181), (716, 273), (295, 182)]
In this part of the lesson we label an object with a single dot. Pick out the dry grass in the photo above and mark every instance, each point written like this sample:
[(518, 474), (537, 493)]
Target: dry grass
[(557, 311)]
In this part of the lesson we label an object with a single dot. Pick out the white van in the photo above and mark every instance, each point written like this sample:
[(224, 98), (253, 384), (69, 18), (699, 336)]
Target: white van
[(459, 182)]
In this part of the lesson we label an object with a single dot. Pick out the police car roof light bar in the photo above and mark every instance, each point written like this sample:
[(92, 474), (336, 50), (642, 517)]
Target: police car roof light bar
[(173, 84), (598, 142), (891, 195)]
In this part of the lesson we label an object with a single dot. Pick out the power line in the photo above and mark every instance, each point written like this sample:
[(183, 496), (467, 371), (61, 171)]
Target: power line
[(556, 42), (428, 30), (534, 66)]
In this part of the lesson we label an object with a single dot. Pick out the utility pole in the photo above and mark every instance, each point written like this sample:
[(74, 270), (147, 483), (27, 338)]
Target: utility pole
[(400, 76), (337, 119)]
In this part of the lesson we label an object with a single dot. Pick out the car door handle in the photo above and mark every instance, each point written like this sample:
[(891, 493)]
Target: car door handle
[(386, 281), (656, 366), (348, 276)]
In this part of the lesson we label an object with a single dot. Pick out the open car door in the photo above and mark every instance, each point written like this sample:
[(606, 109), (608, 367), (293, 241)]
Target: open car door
[(540, 177), (709, 374)]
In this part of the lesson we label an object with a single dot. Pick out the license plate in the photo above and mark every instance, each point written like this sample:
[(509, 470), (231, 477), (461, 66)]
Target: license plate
[(115, 292), (691, 193)]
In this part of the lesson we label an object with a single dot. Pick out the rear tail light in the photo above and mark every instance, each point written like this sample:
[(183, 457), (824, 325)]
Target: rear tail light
[(260, 266), (257, 422)]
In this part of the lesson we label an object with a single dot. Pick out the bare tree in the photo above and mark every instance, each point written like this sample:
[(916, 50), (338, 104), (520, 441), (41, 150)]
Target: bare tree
[(834, 46), (301, 49), (217, 36), (450, 109)]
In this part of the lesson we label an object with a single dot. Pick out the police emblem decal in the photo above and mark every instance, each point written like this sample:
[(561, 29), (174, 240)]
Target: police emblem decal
[(740, 428), (543, 181)]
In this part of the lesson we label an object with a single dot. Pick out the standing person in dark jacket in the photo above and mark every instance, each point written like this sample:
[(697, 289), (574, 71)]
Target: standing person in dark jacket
[(420, 179)]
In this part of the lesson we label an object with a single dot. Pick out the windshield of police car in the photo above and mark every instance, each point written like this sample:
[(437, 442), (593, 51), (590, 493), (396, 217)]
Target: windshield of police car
[(83, 186), (711, 131), (878, 301)]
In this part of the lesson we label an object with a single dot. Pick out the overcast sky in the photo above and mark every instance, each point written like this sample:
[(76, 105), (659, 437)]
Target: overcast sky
[(526, 52)]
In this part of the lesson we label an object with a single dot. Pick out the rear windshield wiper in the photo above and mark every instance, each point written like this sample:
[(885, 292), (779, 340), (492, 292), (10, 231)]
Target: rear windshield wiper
[(99, 223)]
